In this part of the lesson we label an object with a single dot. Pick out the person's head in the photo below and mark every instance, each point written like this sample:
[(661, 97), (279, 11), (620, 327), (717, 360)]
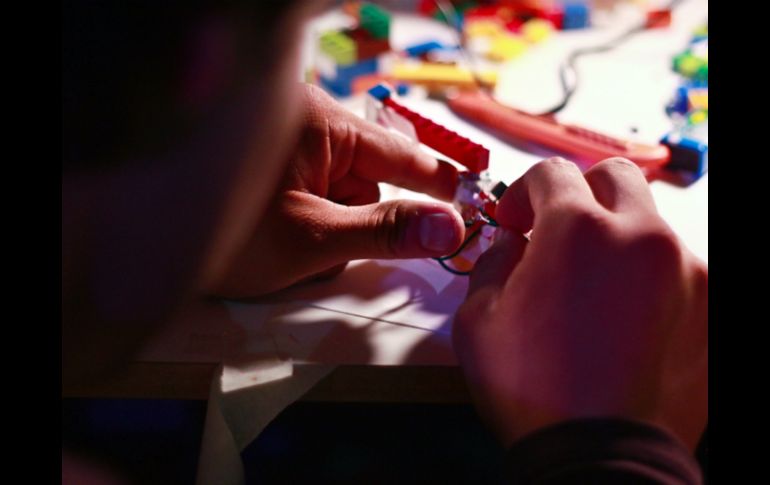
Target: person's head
[(145, 81), (177, 117)]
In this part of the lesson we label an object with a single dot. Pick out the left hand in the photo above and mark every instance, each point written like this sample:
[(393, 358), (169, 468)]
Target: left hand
[(326, 210)]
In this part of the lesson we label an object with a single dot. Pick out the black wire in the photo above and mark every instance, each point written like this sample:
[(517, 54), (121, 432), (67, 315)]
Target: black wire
[(570, 64), (448, 10), (452, 270), (462, 246), (489, 221), (442, 260)]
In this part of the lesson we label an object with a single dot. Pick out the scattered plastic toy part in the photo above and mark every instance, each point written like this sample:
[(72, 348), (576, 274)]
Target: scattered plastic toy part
[(586, 146), (687, 154), (472, 155)]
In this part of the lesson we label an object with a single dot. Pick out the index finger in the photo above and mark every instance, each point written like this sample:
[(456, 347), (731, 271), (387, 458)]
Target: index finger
[(383, 156), (553, 184), (371, 152)]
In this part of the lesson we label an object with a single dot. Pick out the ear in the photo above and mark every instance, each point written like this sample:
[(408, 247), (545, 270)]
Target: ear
[(210, 62)]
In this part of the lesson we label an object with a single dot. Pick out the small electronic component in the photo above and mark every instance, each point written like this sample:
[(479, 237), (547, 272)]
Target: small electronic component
[(474, 199)]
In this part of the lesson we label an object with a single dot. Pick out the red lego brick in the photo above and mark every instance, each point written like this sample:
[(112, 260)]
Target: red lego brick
[(472, 155), (367, 46), (427, 7), (555, 15), (657, 19), (482, 13), (514, 26), (490, 208)]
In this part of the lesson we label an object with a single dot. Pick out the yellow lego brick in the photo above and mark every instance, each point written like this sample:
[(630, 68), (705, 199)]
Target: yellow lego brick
[(698, 117), (483, 28), (338, 46), (440, 74), (536, 30), (506, 47), (698, 98), (689, 65)]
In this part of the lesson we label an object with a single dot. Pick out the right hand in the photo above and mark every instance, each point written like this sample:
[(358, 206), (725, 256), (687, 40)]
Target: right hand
[(603, 313)]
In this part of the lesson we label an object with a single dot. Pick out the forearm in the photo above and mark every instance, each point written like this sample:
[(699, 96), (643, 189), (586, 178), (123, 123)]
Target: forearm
[(601, 451)]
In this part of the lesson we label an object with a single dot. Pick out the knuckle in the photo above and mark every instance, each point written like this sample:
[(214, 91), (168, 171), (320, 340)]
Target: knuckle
[(555, 163), (588, 225), (659, 247), (615, 164)]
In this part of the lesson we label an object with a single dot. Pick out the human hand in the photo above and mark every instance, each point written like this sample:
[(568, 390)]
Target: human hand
[(326, 211), (603, 313)]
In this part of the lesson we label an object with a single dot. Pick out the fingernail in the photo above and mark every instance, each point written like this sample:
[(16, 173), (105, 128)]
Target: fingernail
[(437, 232)]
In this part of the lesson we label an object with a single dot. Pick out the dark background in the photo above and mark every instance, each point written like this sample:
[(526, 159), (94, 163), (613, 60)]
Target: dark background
[(158, 441)]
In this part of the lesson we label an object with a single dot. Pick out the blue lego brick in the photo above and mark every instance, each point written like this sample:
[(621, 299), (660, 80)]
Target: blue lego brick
[(338, 87), (352, 71), (402, 89), (697, 83), (420, 49), (380, 92), (699, 38), (576, 16), (679, 104), (687, 154), (342, 84)]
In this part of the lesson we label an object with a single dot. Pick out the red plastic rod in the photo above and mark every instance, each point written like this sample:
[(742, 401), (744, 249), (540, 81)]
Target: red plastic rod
[(584, 145), (472, 155)]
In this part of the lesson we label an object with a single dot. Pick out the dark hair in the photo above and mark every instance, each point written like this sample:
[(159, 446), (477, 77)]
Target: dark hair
[(121, 63)]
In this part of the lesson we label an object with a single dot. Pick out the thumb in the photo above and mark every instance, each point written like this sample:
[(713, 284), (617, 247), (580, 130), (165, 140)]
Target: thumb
[(389, 230)]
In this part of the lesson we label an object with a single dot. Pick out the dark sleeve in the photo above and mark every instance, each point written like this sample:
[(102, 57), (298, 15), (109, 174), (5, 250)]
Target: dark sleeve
[(601, 451)]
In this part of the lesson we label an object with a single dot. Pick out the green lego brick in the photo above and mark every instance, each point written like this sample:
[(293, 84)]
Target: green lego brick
[(375, 20), (339, 47), (688, 65), (702, 74)]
